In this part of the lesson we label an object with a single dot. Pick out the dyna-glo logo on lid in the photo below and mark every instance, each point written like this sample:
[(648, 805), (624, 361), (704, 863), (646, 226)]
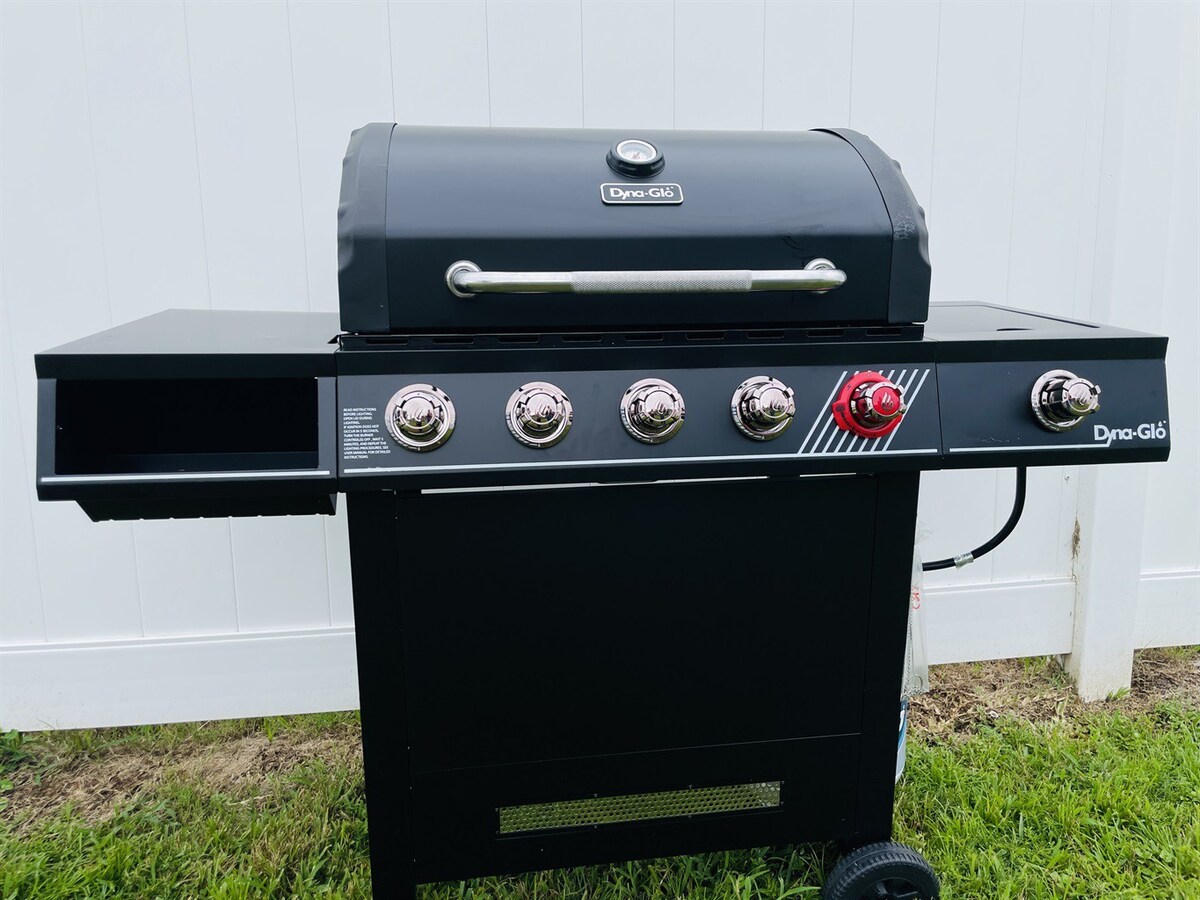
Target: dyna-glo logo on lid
[(628, 192)]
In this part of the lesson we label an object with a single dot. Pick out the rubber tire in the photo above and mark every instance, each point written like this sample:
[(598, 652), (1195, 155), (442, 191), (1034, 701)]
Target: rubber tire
[(857, 873)]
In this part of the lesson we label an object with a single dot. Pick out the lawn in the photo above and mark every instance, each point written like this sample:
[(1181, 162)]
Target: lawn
[(1013, 790)]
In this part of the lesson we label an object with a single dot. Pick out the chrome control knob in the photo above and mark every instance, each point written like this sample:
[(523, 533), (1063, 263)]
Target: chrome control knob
[(539, 414), (652, 410), (1061, 399), (763, 407), (419, 417), (876, 403)]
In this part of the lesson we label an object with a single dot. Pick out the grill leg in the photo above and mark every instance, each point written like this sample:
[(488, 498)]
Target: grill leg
[(891, 570), (374, 565)]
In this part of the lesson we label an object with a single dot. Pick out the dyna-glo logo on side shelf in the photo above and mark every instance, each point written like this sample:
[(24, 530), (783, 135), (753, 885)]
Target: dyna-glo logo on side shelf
[(1147, 431), (616, 194)]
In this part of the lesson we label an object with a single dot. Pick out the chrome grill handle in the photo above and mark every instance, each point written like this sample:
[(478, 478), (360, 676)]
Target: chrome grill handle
[(465, 279)]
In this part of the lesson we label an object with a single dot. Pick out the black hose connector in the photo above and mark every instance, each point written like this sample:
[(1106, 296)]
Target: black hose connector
[(957, 562)]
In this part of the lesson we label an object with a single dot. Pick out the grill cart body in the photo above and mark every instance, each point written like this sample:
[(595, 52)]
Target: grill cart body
[(691, 381)]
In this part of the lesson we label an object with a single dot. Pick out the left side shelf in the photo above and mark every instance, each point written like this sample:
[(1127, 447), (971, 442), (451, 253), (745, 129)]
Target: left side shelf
[(192, 413)]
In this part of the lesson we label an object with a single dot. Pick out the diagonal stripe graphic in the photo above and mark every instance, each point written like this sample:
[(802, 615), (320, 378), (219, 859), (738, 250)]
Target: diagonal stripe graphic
[(915, 394), (821, 412), (829, 421)]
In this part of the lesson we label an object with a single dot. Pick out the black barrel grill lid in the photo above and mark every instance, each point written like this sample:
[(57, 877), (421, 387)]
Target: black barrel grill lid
[(415, 200)]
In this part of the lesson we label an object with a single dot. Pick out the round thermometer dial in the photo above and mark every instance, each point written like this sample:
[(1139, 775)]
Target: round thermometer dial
[(635, 157)]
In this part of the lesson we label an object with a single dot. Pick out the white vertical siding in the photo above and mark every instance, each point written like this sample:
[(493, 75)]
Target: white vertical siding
[(629, 82), (535, 63), (188, 154), (719, 55)]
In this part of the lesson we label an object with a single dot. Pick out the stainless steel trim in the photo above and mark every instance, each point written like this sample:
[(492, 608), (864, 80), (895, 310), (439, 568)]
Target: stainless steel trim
[(431, 432), (465, 279), (1043, 411), (644, 143), (528, 428), (643, 424), (1027, 447), (628, 461), (182, 476), (759, 422)]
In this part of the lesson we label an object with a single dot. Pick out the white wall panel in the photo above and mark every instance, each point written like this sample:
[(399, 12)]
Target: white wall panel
[(811, 88), (138, 83), (21, 617), (55, 288), (185, 570), (152, 224), (1172, 533), (893, 100), (628, 72), (440, 62), (535, 62), (342, 70), (280, 572), (974, 149), (337, 559), (245, 114), (719, 52), (1051, 129)]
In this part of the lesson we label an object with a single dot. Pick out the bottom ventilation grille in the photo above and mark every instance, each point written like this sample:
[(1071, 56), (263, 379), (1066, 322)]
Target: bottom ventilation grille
[(638, 807)]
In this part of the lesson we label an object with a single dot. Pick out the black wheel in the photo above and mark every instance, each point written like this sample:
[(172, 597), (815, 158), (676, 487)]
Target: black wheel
[(885, 871)]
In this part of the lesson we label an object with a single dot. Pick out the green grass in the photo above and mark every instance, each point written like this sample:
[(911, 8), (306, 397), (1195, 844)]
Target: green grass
[(1102, 805)]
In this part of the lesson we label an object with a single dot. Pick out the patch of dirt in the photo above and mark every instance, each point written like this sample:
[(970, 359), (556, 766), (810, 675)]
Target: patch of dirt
[(92, 787), (1166, 675), (965, 696), (95, 786), (251, 759)]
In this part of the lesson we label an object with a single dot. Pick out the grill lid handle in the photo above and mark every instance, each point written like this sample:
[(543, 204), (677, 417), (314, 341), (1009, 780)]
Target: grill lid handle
[(465, 279)]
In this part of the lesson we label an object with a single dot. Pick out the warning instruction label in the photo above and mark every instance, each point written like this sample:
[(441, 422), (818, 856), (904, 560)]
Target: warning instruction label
[(362, 433)]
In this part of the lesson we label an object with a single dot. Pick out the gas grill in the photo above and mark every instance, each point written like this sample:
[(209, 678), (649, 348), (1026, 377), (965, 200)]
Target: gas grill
[(691, 380)]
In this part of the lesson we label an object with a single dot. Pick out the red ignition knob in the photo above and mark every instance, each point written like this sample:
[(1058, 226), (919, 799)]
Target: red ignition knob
[(869, 405)]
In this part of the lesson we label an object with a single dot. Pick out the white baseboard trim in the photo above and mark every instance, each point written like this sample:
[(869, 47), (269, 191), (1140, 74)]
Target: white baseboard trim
[(225, 676), (999, 620), (1168, 613), (187, 679)]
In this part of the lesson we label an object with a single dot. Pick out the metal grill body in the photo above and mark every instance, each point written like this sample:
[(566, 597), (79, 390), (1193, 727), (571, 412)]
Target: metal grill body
[(691, 393)]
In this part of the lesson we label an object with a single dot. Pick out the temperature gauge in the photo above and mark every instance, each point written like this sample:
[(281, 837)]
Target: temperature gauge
[(635, 157)]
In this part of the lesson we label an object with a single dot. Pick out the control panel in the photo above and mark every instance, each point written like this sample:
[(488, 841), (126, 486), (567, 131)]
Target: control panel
[(584, 425), (517, 423)]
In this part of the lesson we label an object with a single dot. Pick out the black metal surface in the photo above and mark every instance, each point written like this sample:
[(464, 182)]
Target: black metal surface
[(482, 447), (529, 200), (376, 574), (970, 331), (608, 659), (205, 443), (908, 281), (892, 524), (201, 343), (985, 359), (207, 505)]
